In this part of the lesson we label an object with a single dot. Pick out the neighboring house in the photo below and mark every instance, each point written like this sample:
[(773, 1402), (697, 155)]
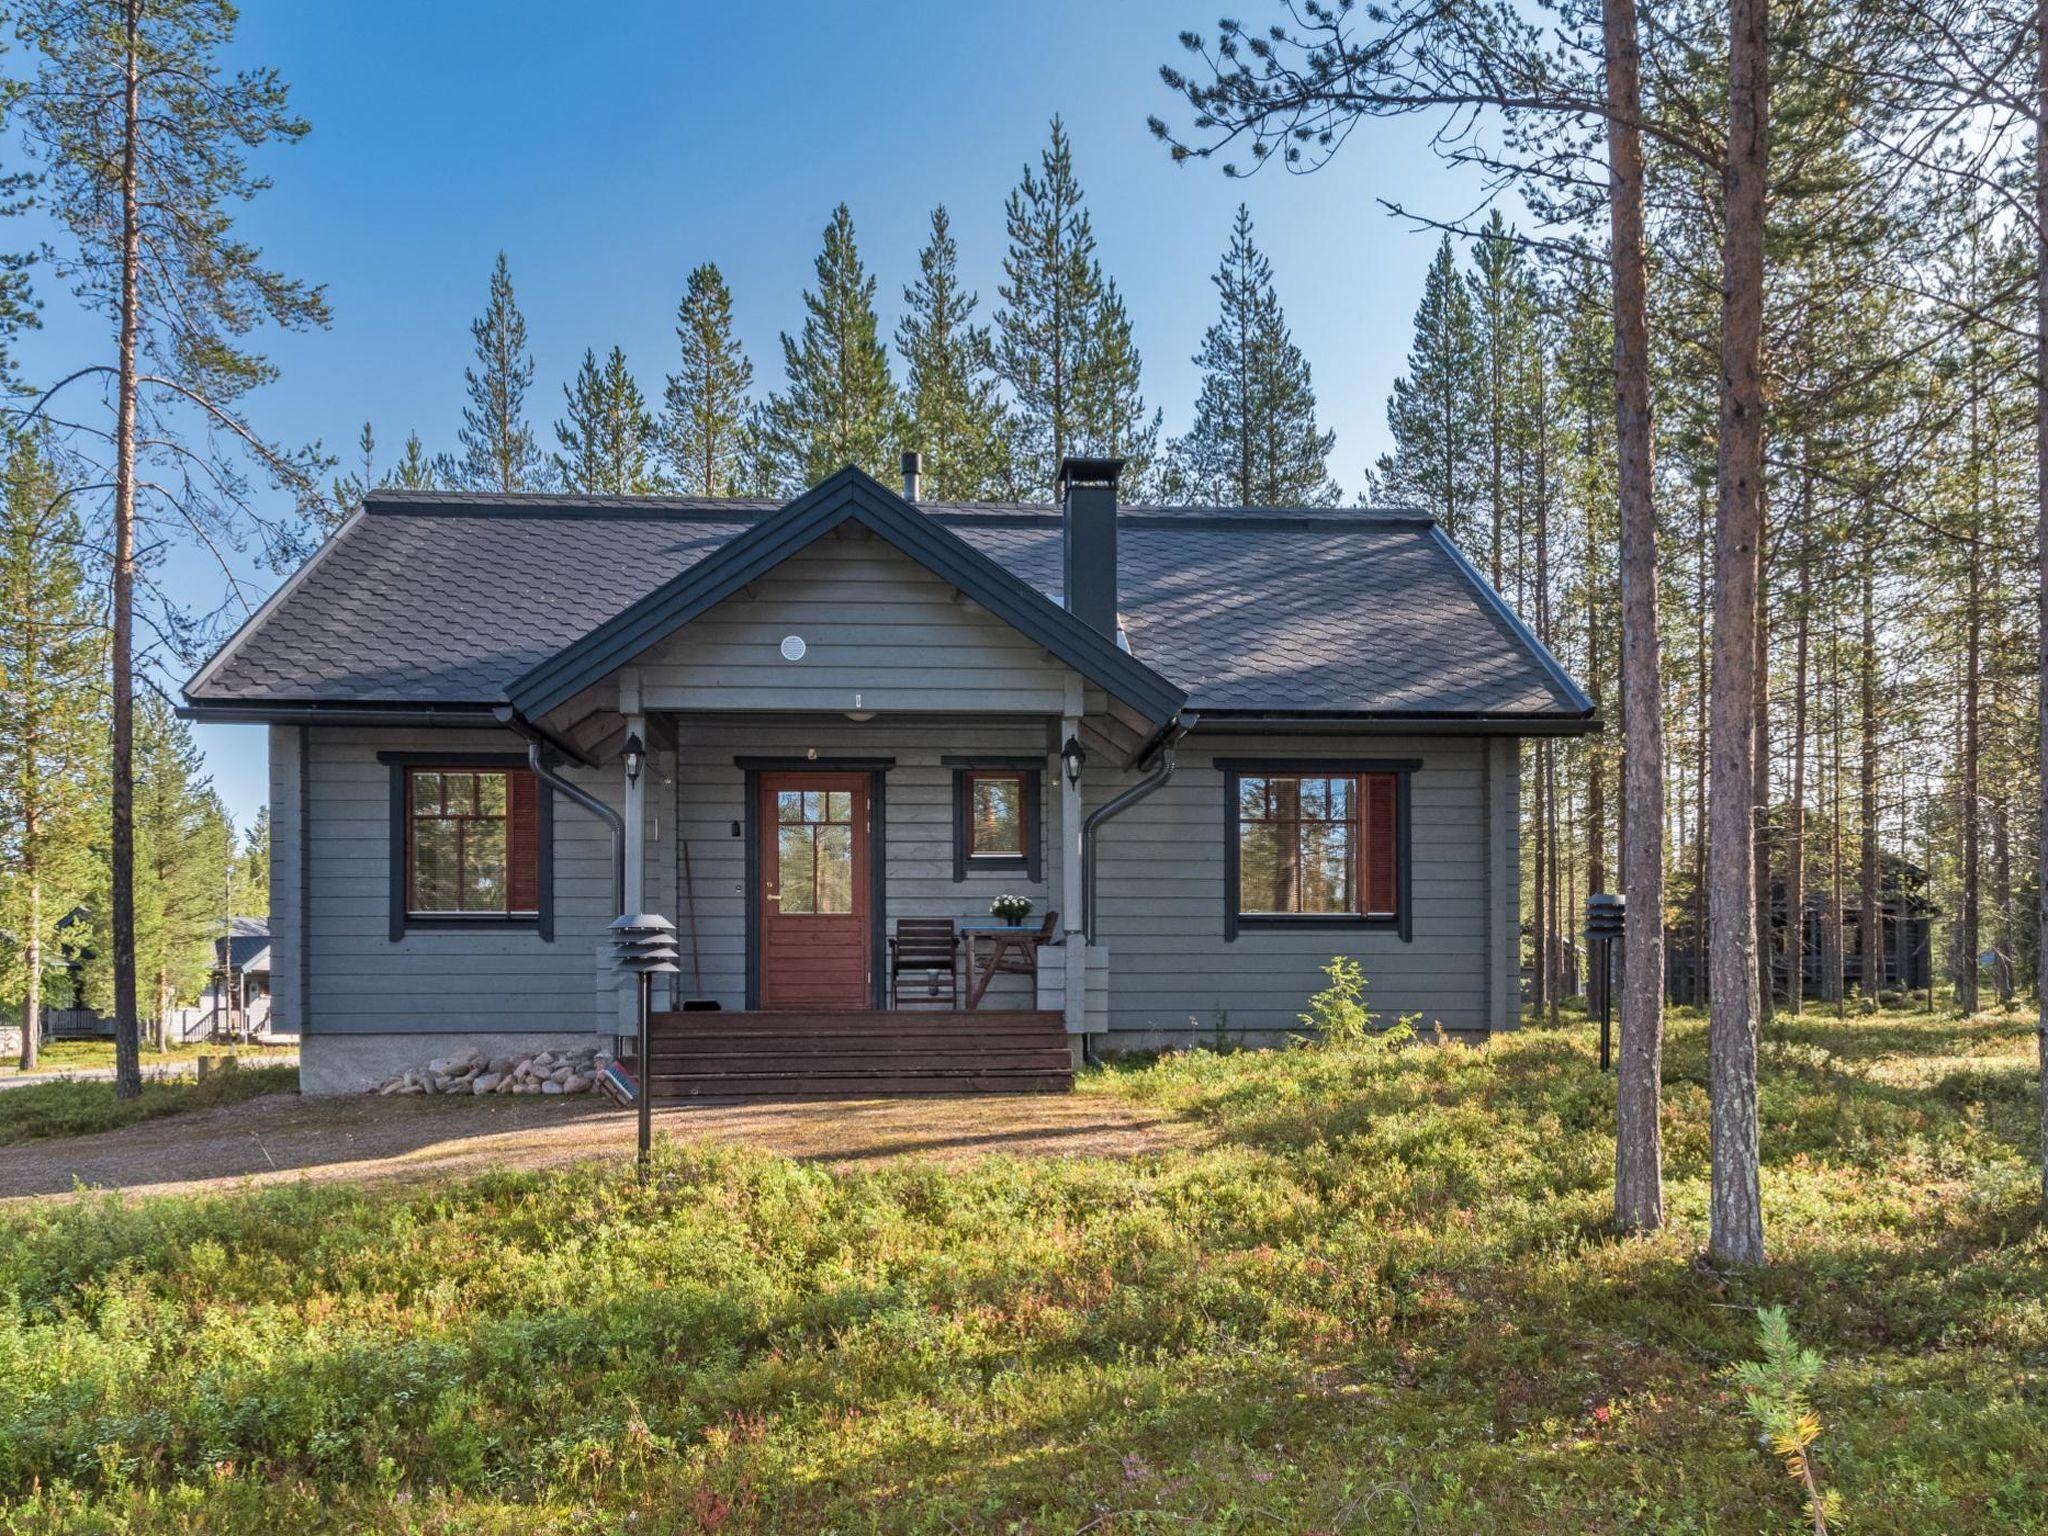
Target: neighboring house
[(1223, 745), (237, 995)]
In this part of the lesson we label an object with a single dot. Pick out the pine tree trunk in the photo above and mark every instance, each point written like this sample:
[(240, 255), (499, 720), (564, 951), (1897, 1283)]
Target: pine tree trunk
[(1735, 1205), (32, 959), (1703, 594), (1838, 975), (2041, 552), (1968, 936), (1540, 899), (1639, 1076), (1760, 765), (127, 1036), (2001, 889), (1795, 832), (1870, 927)]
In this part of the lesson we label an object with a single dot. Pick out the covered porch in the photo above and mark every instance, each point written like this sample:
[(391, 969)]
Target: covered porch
[(793, 851)]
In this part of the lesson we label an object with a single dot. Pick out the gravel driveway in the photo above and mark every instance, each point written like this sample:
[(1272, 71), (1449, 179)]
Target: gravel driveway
[(281, 1138)]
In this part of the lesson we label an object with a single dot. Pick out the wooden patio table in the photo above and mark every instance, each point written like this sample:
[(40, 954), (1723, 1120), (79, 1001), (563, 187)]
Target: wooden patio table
[(1012, 951)]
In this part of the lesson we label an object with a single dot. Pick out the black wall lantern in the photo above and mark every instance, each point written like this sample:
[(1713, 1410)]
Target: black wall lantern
[(1074, 757), (636, 757)]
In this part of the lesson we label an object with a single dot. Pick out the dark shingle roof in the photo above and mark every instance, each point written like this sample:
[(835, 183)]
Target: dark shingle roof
[(449, 598)]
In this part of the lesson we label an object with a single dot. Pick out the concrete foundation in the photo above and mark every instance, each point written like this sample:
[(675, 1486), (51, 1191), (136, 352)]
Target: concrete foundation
[(353, 1063)]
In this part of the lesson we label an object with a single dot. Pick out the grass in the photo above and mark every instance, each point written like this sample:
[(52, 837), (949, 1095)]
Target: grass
[(1377, 1293), (88, 1055), (70, 1107)]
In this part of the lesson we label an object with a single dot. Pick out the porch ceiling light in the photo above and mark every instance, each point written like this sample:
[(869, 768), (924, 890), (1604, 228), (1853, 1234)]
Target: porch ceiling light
[(636, 757), (1073, 757)]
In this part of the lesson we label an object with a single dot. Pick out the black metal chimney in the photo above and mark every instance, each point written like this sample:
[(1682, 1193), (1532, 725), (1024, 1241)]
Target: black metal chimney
[(1088, 507), (913, 475)]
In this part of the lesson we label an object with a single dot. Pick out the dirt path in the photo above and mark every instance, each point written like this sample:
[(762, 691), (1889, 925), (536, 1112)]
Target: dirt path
[(283, 1138)]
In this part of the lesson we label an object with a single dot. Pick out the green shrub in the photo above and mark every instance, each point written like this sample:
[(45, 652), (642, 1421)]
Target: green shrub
[(1337, 1015)]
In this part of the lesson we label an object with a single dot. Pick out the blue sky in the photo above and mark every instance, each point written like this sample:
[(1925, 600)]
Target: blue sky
[(610, 148)]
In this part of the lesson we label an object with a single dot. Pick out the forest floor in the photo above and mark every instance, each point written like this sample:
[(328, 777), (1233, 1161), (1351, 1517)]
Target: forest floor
[(1360, 1289)]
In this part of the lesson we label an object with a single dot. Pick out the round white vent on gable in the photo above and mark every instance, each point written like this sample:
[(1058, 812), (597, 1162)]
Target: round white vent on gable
[(793, 647)]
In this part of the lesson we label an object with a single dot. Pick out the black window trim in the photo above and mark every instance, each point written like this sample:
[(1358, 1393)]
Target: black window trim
[(1403, 770), (404, 921), (1031, 863)]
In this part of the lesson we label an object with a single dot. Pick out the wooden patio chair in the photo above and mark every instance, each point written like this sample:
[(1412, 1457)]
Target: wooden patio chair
[(925, 946)]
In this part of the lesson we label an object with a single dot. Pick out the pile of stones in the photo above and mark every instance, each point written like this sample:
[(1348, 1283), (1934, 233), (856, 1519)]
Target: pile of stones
[(470, 1071)]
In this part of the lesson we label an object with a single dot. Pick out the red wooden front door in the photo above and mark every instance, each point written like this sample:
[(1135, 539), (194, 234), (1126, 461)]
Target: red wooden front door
[(817, 938)]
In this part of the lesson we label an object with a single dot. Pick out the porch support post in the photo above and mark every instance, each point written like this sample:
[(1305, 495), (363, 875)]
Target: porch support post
[(1075, 949)]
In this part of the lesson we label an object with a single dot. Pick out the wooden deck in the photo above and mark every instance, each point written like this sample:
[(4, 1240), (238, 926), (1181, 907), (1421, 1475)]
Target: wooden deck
[(856, 1055)]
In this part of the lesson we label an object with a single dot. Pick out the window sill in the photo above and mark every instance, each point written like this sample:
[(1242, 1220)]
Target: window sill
[(485, 922), (996, 863), (1313, 921)]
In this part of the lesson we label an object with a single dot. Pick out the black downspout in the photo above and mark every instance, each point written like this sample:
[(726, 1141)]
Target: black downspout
[(581, 796), (1161, 771)]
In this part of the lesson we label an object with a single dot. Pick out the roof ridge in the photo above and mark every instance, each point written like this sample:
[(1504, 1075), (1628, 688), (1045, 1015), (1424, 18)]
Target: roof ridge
[(402, 502)]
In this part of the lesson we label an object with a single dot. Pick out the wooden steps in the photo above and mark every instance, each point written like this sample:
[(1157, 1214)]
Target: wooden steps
[(855, 1055)]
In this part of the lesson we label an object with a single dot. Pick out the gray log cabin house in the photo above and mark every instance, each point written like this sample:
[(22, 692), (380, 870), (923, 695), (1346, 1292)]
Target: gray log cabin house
[(1221, 744)]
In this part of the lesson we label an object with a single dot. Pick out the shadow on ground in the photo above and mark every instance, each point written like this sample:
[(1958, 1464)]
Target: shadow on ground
[(380, 1140)]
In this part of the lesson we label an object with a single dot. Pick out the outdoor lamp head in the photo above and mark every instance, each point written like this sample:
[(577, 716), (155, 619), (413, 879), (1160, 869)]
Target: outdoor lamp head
[(636, 757), (1074, 757)]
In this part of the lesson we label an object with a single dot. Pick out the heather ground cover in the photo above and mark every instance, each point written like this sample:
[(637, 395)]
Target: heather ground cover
[(1369, 1289)]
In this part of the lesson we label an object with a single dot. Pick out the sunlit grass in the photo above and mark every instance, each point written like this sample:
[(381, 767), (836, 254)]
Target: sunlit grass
[(1377, 1288), (87, 1055), (77, 1108)]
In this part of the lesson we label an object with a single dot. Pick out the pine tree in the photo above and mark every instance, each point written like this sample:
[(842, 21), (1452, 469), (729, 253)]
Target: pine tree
[(351, 488), (1113, 419), (840, 403), (146, 137), (183, 851), (1255, 441), (498, 448), (704, 407), (251, 892), (955, 416), (416, 470), (608, 438), (53, 725), (1434, 412), (1501, 301), (1063, 340)]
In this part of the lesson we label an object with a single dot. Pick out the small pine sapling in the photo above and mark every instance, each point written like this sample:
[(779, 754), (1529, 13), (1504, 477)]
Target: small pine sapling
[(1774, 1392)]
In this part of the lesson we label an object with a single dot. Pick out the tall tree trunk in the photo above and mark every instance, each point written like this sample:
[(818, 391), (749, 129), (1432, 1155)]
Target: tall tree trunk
[(1795, 831), (2001, 890), (1838, 990), (1735, 1203), (1703, 684), (1639, 1078), (1539, 914), (127, 1037), (1968, 936), (32, 960), (1760, 763), (1596, 779), (1870, 926), (2041, 552)]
